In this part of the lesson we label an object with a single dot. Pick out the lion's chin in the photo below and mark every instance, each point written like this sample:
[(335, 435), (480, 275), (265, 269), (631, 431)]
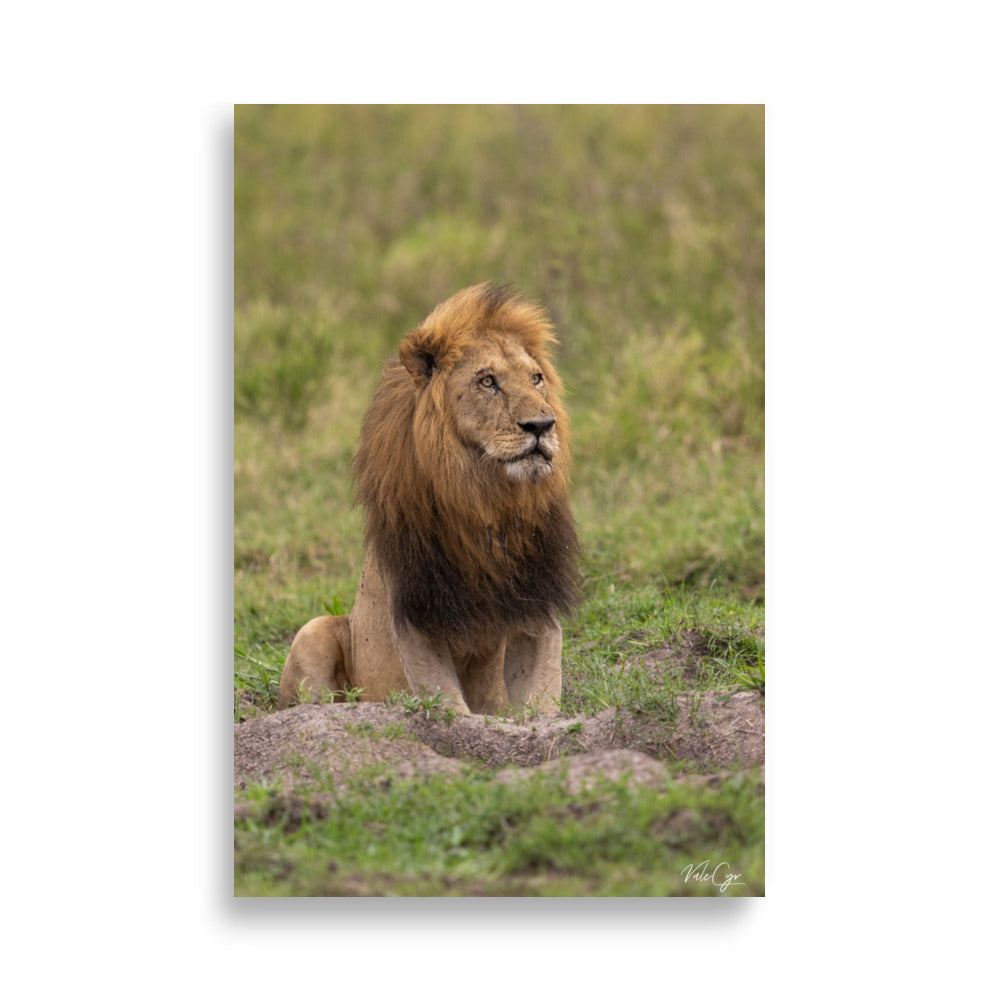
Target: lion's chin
[(530, 469)]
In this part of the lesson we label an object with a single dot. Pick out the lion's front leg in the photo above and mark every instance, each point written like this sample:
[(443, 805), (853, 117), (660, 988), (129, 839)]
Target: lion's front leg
[(533, 668), (428, 665), (481, 677)]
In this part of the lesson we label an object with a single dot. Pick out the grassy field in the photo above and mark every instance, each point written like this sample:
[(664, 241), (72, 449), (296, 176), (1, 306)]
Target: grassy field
[(477, 836), (641, 229)]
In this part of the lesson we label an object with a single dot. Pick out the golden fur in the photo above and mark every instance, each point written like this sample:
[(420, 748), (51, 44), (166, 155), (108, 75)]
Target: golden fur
[(463, 473)]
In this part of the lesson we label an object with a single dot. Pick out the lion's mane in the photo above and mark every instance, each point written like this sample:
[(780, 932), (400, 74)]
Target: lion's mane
[(469, 552)]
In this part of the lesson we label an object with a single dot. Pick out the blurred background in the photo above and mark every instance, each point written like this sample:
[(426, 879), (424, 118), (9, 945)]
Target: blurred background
[(641, 230)]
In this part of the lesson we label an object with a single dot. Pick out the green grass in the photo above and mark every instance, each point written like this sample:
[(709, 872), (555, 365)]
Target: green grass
[(478, 836), (641, 229), (432, 705)]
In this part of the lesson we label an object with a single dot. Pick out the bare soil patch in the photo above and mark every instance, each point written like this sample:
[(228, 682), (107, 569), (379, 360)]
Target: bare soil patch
[(710, 732), (681, 657)]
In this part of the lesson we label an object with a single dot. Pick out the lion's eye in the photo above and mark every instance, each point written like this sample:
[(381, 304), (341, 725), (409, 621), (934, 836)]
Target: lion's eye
[(488, 382), (537, 378)]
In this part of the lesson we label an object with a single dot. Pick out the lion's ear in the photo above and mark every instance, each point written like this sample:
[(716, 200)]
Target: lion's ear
[(418, 358)]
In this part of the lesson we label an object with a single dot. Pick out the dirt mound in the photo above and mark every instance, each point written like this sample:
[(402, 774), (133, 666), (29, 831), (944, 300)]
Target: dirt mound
[(707, 731)]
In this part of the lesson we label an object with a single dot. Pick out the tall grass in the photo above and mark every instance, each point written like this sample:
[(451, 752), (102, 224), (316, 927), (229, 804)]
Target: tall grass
[(640, 228)]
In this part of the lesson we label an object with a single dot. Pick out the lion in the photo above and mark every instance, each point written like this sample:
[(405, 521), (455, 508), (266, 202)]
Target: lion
[(463, 475)]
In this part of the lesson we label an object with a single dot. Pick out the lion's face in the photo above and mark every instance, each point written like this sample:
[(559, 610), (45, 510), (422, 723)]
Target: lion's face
[(499, 397), (486, 423)]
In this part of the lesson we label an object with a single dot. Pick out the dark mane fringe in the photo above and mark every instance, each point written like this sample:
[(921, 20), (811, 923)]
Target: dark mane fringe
[(534, 576)]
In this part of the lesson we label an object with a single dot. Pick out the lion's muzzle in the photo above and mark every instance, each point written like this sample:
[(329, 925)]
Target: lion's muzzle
[(535, 462)]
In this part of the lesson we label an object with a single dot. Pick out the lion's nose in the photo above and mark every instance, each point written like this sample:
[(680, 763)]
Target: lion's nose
[(538, 426)]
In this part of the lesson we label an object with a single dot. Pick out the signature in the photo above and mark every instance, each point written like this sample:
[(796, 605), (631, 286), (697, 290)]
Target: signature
[(718, 876)]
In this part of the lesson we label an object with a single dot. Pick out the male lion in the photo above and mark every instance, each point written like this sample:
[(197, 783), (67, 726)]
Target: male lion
[(463, 473)]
